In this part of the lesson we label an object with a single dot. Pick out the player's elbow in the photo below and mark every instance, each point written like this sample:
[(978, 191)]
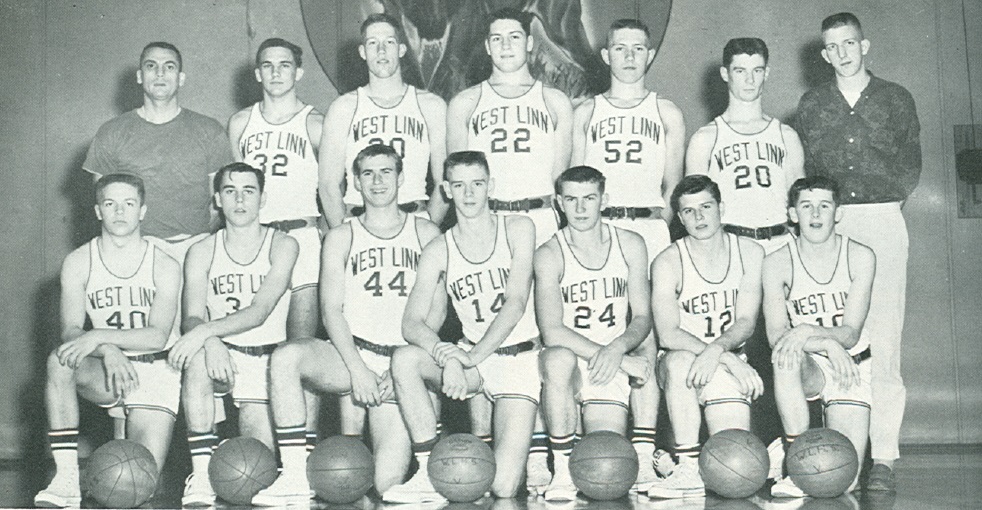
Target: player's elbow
[(851, 337)]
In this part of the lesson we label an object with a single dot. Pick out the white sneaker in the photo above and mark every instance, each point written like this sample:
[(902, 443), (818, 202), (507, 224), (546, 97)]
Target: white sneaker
[(663, 462), (198, 492), (684, 482), (286, 490), (62, 492), (775, 453), (537, 475), (785, 488), (561, 488), (418, 489)]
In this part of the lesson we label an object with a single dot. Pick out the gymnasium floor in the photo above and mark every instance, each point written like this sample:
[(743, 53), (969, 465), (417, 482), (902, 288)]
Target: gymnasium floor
[(928, 479)]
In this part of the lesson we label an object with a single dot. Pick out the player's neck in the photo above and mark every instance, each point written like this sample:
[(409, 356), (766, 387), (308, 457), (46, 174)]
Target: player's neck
[(390, 87), (743, 112), (709, 247), (243, 235), (518, 77), (159, 111), (287, 104), (587, 239), (626, 91), (853, 84), (385, 221), (475, 226), (110, 243), (818, 251)]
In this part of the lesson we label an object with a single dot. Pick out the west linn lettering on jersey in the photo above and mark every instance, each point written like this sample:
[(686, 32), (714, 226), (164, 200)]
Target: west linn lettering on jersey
[(236, 283), (389, 125), (637, 127), (820, 303), (588, 290), (283, 141), (115, 296), (710, 301), (474, 283), (514, 114), (383, 256), (743, 151)]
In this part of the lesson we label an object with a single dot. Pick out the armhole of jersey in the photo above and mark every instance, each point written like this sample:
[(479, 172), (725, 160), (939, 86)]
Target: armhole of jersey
[(153, 262), (562, 254), (614, 231), (736, 239), (709, 162), (791, 253), (416, 230), (245, 128), (780, 131), (351, 240), (657, 108), (678, 248), (848, 243), (214, 250), (92, 247), (504, 227), (446, 265), (351, 123), (271, 234)]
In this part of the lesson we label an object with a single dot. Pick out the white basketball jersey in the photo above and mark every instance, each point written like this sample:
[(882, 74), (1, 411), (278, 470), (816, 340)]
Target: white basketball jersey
[(518, 136), (595, 301), (380, 274), (628, 146), (403, 128), (232, 287), (119, 302), (707, 308), (477, 289), (285, 154), (817, 303), (749, 170)]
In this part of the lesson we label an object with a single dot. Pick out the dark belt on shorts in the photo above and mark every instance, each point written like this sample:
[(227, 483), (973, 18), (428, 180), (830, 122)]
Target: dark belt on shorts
[(863, 356), (761, 233), (408, 208), (149, 357), (525, 204), (631, 212), (253, 350), (514, 349), (288, 225), (381, 350)]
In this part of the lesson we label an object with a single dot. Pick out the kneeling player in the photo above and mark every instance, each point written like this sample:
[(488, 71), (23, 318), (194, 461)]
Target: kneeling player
[(587, 276), (823, 282), (129, 291), (368, 267), (235, 313), (703, 326), (486, 264)]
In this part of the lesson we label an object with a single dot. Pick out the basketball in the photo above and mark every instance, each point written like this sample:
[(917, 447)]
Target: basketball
[(240, 468), (341, 470), (461, 467), (822, 462), (121, 474), (733, 463), (604, 465)]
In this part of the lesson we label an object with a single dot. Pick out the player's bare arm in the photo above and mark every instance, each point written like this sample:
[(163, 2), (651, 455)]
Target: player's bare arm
[(794, 161), (315, 129), (581, 121), (548, 264), (674, 150), (562, 110), (666, 271), (776, 283), (429, 275), (699, 152), (521, 239), (428, 231), (331, 162), (236, 126), (458, 113), (435, 114)]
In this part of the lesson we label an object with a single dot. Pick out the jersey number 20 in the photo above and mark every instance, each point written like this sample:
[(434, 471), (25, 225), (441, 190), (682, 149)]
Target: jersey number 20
[(762, 172)]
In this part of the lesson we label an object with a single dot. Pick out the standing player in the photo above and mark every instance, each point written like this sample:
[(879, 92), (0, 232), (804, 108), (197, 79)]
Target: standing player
[(128, 289), (636, 139), (280, 136), (389, 111), (863, 132), (823, 282), (485, 263), (587, 277), (368, 265), (520, 124), (751, 156), (235, 313), (705, 298)]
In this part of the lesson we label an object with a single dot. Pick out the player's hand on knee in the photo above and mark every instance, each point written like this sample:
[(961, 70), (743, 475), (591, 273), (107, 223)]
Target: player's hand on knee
[(789, 350), (454, 381), (218, 362), (71, 354), (121, 376), (750, 382), (604, 364), (636, 367), (704, 366), (446, 351), (845, 369), (365, 387), (184, 349)]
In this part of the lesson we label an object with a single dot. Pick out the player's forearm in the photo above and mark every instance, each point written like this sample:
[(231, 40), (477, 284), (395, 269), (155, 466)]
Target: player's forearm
[(139, 339), (240, 321), (437, 206), (342, 339), (418, 333), (635, 333), (680, 340), (845, 336), (561, 336), (333, 203), (502, 326), (736, 335)]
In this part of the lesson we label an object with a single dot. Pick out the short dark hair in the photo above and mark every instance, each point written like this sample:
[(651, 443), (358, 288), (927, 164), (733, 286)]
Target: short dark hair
[(692, 184), (125, 178), (523, 18), (276, 42), (238, 167), (582, 173), (381, 17), (842, 19), (164, 46), (744, 46), (372, 150), (813, 182), (635, 24), (459, 158)]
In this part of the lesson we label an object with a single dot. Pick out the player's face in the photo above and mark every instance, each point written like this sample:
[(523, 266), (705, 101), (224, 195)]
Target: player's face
[(745, 77), (628, 55), (468, 186), (700, 214), (845, 48), (239, 198), (508, 45), (277, 71), (159, 74), (120, 209), (816, 214), (381, 50), (582, 203), (378, 181)]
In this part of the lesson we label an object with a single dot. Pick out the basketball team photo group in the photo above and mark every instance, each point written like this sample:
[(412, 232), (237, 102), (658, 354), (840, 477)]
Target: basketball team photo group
[(513, 288)]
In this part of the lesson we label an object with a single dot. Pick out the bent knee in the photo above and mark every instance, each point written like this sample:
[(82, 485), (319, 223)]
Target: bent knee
[(677, 364), (407, 359), (556, 364)]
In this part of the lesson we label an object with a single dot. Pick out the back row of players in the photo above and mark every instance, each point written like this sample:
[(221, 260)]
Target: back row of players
[(511, 140)]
